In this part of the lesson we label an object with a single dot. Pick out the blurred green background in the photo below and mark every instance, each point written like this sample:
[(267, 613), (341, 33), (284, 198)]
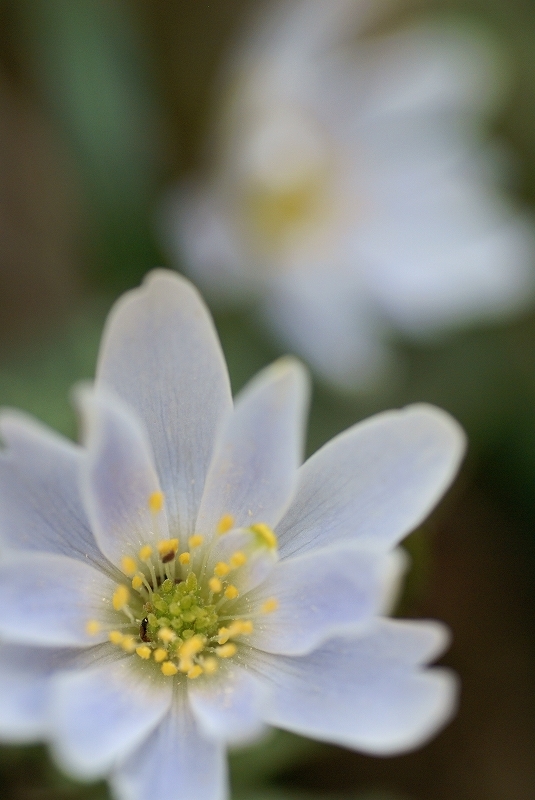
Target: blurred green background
[(103, 104)]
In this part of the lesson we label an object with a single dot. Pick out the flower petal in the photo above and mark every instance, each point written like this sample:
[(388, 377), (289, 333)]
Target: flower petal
[(47, 599), (228, 706), (254, 467), (119, 477), (160, 353), (40, 504), (25, 678), (101, 713), (175, 755), (319, 595), (368, 693), (375, 482)]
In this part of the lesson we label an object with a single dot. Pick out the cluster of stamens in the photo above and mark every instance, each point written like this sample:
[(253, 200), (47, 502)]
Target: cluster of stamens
[(176, 615)]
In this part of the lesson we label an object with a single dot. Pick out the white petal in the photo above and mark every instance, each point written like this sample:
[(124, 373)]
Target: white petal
[(253, 472), (101, 713), (319, 596), (375, 482), (174, 761), (228, 706), (25, 678), (160, 353), (40, 505), (119, 477), (47, 599), (368, 693)]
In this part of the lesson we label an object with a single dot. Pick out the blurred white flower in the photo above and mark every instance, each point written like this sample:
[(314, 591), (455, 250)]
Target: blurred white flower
[(351, 190), (150, 613)]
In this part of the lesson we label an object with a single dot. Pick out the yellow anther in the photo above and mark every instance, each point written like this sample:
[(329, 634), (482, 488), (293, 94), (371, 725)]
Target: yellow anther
[(120, 597), (166, 635), (184, 558), (237, 559), (160, 655), (156, 502), (115, 637), (223, 635), (128, 566), (191, 646), (195, 671), (169, 669), (196, 540), (225, 524), (167, 549), (231, 592), (210, 665), (137, 582), (226, 651), (239, 628), (92, 627), (221, 569), (215, 585), (128, 644), (145, 552), (185, 664), (270, 605), (143, 651), (268, 536)]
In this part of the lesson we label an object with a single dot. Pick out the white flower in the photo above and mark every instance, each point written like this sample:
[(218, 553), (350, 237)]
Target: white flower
[(179, 582), (350, 192)]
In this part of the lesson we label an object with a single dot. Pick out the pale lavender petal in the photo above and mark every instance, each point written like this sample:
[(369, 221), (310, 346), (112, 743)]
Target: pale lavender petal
[(47, 599), (25, 680), (319, 595), (175, 758), (228, 706), (102, 713), (161, 354), (375, 482), (369, 693), (254, 468), (119, 477), (40, 504)]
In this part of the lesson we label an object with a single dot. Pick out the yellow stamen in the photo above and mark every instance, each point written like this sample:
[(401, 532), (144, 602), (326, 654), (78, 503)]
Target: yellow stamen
[(120, 597), (184, 558), (166, 635), (239, 628), (225, 524), (115, 637), (237, 559), (160, 655), (128, 565), (195, 671), (270, 605), (128, 644), (191, 646), (215, 585), (92, 627), (145, 552), (143, 651), (223, 635), (221, 569), (169, 669), (210, 665), (231, 592), (196, 540), (167, 549), (137, 582), (185, 664), (156, 502), (266, 534), (226, 651)]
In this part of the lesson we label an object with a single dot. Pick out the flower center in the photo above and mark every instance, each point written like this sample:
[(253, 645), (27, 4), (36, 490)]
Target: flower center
[(183, 610)]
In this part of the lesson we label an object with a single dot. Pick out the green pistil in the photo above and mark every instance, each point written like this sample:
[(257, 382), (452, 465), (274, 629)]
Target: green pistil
[(182, 608)]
